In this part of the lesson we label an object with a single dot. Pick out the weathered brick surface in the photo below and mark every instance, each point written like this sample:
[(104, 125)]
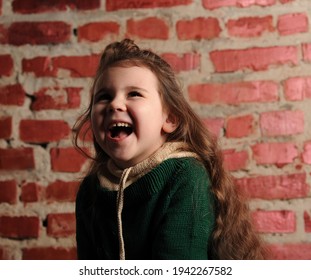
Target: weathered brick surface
[(49, 253), (17, 159), (255, 59), (8, 192), (35, 6), (20, 227), (274, 186), (148, 28), (274, 221), (12, 95), (293, 23), (244, 66)]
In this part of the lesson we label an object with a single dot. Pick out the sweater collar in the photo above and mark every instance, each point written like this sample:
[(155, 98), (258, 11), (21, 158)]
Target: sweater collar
[(110, 176)]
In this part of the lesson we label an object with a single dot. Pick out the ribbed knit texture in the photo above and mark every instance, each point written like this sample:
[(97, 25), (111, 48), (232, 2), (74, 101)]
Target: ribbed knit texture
[(167, 214)]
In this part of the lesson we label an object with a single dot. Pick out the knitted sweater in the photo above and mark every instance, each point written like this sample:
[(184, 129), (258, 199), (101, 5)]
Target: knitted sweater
[(167, 214)]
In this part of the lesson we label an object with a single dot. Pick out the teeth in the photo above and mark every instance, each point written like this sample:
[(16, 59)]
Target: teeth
[(121, 125)]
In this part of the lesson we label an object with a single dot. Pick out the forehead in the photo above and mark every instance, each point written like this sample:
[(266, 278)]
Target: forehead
[(127, 75)]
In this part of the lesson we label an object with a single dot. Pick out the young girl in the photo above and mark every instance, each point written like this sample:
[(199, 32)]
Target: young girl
[(156, 188)]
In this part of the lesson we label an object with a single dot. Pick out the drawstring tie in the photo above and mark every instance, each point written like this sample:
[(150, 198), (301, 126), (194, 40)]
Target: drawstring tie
[(120, 203)]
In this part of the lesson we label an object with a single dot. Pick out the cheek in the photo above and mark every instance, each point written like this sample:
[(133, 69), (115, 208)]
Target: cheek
[(96, 120), (97, 113)]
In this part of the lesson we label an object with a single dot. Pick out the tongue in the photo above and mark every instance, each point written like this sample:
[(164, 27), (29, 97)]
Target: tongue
[(119, 133)]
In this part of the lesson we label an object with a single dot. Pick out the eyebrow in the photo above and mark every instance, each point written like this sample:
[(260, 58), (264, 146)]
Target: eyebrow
[(129, 88), (136, 88), (101, 90)]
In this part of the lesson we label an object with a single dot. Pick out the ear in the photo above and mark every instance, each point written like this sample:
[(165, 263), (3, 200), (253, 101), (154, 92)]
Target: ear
[(170, 123)]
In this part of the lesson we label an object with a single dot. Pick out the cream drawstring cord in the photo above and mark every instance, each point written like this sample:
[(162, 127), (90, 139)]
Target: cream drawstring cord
[(120, 203)]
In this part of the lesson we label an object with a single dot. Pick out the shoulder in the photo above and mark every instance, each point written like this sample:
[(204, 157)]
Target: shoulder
[(186, 174), (177, 168), (170, 175), (191, 165), (187, 168), (174, 165)]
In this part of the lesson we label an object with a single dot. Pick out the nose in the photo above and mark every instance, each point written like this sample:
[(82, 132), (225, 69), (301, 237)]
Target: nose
[(117, 104)]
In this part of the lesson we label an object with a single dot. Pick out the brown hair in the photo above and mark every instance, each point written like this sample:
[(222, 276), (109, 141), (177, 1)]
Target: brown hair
[(234, 236)]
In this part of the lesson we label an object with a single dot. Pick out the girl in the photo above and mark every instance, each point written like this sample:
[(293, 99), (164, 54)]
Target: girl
[(156, 188)]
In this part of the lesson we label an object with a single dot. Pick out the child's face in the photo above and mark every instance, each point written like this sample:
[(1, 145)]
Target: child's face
[(128, 119)]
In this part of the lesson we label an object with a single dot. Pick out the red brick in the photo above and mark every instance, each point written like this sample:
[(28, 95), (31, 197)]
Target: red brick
[(297, 88), (40, 66), (43, 131), (5, 127), (61, 191), (280, 123), (6, 63), (61, 224), (66, 160), (183, 62), (274, 187), (274, 153), (113, 5), (78, 66), (5, 253), (35, 6), (49, 253), (75, 66), (198, 28), (293, 23), (299, 251), (31, 192), (21, 227), (148, 28), (8, 191), (234, 93), (97, 31), (256, 59), (12, 95), (307, 219), (214, 125), (235, 160), (38, 33), (306, 156), (306, 49), (17, 159), (56, 99), (3, 34), (212, 4), (274, 221), (250, 26), (241, 126)]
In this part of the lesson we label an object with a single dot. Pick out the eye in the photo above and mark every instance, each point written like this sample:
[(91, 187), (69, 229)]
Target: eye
[(103, 96), (134, 93)]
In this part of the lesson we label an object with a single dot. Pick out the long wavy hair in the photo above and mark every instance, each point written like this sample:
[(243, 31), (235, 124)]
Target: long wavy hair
[(234, 236)]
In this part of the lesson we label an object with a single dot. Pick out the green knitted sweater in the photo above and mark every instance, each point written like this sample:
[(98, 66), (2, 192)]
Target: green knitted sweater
[(167, 214)]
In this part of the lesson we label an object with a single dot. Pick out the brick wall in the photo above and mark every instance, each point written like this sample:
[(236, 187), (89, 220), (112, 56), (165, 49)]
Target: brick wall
[(245, 67)]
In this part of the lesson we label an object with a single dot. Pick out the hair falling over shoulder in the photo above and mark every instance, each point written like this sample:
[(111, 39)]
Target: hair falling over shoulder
[(234, 236)]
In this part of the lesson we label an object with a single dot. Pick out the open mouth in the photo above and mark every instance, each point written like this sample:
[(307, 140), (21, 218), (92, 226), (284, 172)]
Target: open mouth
[(120, 130)]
